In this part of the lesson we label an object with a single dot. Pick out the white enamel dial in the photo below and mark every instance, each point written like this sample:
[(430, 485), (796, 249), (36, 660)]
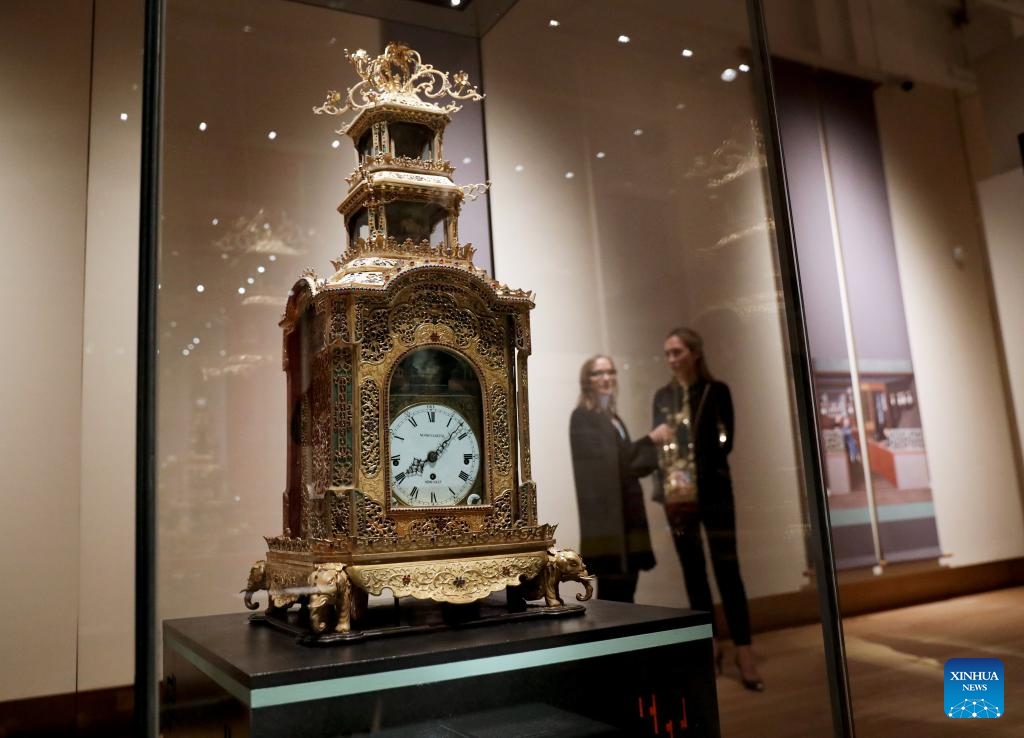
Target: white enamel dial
[(435, 457)]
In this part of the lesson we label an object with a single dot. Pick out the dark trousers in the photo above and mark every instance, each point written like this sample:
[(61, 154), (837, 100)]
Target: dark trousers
[(719, 523), (617, 587)]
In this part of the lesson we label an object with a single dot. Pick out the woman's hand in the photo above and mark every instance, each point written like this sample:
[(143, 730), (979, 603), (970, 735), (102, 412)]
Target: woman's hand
[(662, 434)]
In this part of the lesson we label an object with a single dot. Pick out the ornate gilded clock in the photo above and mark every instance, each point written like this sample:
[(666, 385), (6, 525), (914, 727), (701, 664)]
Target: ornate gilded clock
[(409, 450)]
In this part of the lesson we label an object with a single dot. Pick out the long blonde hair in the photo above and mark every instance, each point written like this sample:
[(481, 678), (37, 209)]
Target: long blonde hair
[(588, 398)]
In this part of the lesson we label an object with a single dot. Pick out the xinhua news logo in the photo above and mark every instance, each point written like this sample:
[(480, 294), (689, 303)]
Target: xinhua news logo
[(974, 688)]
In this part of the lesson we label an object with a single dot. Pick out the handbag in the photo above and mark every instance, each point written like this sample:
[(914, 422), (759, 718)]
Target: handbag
[(679, 479)]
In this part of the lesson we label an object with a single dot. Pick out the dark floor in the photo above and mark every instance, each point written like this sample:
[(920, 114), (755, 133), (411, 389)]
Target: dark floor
[(895, 661)]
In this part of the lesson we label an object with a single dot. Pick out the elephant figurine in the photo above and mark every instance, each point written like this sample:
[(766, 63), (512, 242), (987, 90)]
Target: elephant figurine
[(257, 581), (563, 565), (277, 599), (330, 598)]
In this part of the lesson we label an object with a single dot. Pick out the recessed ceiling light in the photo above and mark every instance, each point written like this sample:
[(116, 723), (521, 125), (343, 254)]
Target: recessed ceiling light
[(261, 269), (241, 290), (599, 154), (744, 67), (184, 352), (202, 125), (456, 3), (250, 280), (195, 340), (623, 39), (272, 135), (638, 131), (519, 167), (687, 53), (246, 29), (680, 106), (466, 160), (570, 175), (124, 116), (200, 288), (728, 75), (335, 143), (272, 257), (553, 23), (215, 221)]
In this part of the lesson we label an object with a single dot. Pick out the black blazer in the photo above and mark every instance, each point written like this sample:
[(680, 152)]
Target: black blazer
[(716, 418), (607, 467)]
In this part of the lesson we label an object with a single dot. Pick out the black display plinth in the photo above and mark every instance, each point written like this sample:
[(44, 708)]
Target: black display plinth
[(617, 670)]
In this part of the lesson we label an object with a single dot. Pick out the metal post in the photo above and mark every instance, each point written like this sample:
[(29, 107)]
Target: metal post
[(146, 707), (803, 388)]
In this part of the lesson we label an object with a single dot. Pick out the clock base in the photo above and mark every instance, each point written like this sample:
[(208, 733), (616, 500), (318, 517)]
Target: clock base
[(407, 617)]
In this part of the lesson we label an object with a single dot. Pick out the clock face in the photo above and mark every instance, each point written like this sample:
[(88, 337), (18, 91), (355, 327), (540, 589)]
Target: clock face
[(435, 457)]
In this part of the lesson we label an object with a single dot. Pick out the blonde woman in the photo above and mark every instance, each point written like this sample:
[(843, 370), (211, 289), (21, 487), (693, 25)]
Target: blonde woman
[(607, 466)]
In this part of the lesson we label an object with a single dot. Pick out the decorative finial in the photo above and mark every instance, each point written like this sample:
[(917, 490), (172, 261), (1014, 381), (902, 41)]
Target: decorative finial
[(398, 75)]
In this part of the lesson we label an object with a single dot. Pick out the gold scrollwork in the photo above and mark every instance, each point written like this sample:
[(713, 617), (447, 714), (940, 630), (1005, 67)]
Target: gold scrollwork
[(438, 525), (341, 420), (369, 437), (376, 339), (499, 425), (373, 523), (501, 517), (455, 581)]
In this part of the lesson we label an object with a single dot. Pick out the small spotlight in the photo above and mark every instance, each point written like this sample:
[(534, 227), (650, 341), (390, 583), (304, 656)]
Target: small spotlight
[(261, 269), (241, 290), (335, 143), (272, 257), (184, 352), (553, 23), (744, 67), (680, 106), (124, 116), (600, 154), (728, 75), (519, 167), (246, 29), (190, 346), (215, 221), (202, 125), (195, 341), (623, 39), (250, 280), (687, 53), (272, 135), (638, 131), (570, 175), (456, 3), (200, 288)]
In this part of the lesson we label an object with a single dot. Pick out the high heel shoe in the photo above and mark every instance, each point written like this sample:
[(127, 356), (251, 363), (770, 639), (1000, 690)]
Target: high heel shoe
[(755, 684)]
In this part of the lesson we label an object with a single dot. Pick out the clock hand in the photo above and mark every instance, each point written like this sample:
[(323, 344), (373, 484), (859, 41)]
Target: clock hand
[(416, 467), (436, 454)]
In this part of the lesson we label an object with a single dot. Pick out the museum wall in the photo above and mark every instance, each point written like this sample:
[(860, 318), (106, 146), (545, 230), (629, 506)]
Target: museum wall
[(44, 146), (952, 338), (1000, 199), (669, 227), (106, 560)]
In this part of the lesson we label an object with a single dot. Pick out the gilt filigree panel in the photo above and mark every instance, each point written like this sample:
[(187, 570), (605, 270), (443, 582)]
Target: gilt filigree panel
[(341, 418), (502, 441), (369, 431)]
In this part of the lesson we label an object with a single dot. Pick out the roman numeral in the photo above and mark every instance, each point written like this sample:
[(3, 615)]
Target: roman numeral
[(466, 458), (463, 476), (415, 493), (464, 434), (395, 459), (433, 497), (431, 415), (450, 419), (400, 477), (412, 420), (398, 438)]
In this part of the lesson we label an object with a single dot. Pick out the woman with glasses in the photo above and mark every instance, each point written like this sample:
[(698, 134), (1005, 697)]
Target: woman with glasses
[(607, 465)]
